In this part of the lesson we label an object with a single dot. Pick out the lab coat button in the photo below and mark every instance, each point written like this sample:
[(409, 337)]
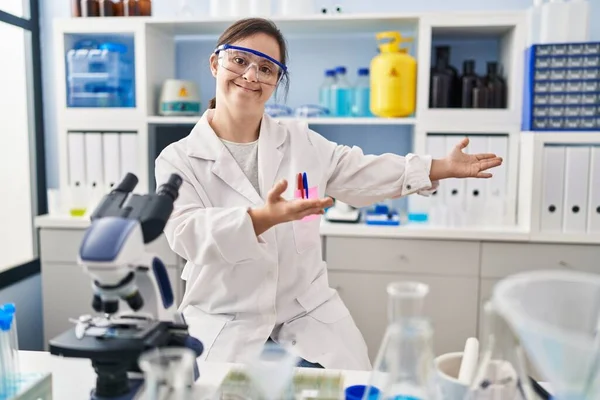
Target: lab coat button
[(293, 342), (408, 187)]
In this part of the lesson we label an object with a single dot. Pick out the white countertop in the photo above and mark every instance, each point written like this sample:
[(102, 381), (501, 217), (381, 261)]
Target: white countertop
[(73, 378), (416, 231)]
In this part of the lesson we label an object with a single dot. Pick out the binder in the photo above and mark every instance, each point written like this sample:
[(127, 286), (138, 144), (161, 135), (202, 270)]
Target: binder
[(455, 190), (593, 222), (438, 210), (111, 159), (553, 181), (577, 172), (129, 163), (93, 159), (496, 187), (76, 155), (475, 194)]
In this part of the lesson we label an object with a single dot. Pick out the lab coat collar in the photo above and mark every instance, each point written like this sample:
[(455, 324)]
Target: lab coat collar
[(204, 143)]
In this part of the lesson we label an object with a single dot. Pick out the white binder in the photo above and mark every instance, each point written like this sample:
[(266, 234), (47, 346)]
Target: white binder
[(93, 159), (593, 223), (76, 154), (496, 186), (129, 157), (436, 148), (475, 194), (577, 172), (111, 159), (455, 189), (553, 181)]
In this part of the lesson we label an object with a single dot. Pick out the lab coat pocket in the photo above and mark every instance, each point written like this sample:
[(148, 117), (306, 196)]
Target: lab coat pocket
[(323, 303), (306, 230), (205, 327)]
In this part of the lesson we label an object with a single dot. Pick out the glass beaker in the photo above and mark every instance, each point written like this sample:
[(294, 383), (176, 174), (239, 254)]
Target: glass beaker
[(272, 371), (168, 370), (404, 366), (501, 370)]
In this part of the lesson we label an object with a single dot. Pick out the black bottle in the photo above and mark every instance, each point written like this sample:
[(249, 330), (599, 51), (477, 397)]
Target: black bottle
[(481, 96), (443, 81), (468, 81), (496, 86)]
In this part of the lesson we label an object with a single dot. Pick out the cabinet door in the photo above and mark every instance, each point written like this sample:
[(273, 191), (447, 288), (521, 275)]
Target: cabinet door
[(499, 260), (451, 304), (67, 293)]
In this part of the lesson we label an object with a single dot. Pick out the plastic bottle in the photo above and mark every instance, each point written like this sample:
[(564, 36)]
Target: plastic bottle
[(404, 365), (393, 78), (468, 82), (6, 366), (325, 90), (362, 95), (341, 94), (496, 86), (11, 310), (443, 91)]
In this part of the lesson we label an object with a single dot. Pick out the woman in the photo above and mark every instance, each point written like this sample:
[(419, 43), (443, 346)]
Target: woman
[(254, 269)]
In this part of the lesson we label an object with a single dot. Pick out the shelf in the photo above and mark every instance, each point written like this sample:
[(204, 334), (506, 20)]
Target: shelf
[(424, 231), (159, 120), (459, 120), (309, 24)]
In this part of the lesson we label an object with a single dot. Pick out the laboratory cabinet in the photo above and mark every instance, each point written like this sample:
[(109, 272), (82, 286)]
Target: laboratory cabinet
[(461, 274), (67, 289)]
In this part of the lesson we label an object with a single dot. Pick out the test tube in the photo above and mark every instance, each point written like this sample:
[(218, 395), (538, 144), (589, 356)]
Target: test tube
[(14, 339), (6, 371)]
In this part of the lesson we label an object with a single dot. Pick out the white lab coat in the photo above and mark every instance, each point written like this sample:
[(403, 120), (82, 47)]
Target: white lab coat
[(240, 288)]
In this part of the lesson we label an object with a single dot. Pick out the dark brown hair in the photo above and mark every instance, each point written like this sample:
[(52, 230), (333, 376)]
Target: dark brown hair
[(245, 28)]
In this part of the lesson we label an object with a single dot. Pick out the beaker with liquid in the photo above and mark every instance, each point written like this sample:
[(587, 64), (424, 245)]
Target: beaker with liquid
[(168, 373), (403, 369)]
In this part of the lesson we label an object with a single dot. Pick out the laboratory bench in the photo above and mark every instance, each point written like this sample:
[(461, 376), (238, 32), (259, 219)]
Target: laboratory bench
[(461, 266), (73, 378)]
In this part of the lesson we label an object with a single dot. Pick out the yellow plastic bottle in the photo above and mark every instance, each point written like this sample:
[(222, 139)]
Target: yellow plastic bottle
[(393, 78)]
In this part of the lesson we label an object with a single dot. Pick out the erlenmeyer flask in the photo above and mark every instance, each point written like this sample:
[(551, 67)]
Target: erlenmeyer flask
[(404, 366), (501, 372)]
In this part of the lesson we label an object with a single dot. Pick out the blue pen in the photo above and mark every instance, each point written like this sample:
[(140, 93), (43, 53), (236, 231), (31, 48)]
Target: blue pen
[(305, 182)]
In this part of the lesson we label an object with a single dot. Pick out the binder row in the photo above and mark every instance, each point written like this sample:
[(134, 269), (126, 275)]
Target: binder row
[(570, 189), (99, 160), (467, 202)]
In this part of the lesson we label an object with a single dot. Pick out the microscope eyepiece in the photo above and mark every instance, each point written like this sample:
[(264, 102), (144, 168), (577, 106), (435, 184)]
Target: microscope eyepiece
[(171, 187), (128, 183)]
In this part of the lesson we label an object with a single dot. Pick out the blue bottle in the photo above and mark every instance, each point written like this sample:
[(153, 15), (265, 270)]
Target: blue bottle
[(362, 95), (325, 90), (341, 94)]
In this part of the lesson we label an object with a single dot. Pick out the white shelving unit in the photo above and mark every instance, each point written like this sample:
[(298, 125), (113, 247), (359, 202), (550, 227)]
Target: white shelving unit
[(155, 61)]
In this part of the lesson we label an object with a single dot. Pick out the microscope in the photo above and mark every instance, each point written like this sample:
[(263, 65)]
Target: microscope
[(113, 253)]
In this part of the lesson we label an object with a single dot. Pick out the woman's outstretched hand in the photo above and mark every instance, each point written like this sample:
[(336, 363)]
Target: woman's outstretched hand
[(278, 210), (458, 164)]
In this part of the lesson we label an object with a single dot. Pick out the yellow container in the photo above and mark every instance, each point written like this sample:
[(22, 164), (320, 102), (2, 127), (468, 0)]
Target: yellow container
[(393, 78)]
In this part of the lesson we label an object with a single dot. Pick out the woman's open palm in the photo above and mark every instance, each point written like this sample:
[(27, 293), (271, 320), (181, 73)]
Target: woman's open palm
[(463, 165)]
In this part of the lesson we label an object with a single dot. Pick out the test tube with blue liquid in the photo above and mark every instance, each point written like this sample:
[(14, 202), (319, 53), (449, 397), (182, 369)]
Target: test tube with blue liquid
[(9, 360)]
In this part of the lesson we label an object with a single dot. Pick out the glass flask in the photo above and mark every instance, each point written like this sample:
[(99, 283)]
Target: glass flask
[(403, 369), (168, 373), (501, 372)]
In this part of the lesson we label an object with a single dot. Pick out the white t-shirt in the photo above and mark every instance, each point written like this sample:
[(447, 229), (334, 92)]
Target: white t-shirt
[(246, 155)]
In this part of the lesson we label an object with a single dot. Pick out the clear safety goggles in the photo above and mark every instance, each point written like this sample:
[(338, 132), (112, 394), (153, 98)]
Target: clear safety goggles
[(240, 59)]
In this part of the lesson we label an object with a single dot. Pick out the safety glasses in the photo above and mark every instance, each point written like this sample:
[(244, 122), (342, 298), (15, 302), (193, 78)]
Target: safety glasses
[(240, 59)]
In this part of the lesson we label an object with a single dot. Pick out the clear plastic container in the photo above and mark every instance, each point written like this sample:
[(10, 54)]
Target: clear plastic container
[(556, 316), (100, 75), (168, 370), (326, 88), (341, 94), (404, 368), (362, 95)]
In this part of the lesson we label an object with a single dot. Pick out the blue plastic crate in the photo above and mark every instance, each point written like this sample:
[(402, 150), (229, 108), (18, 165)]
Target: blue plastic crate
[(562, 87)]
